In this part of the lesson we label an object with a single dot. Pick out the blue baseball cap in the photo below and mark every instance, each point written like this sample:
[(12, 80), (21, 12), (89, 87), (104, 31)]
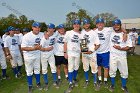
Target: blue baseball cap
[(51, 26), (117, 21), (77, 21), (60, 26), (25, 30), (11, 28), (86, 21), (17, 29), (36, 24), (99, 20)]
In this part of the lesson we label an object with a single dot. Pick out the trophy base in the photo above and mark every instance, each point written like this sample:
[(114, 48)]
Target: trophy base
[(84, 50)]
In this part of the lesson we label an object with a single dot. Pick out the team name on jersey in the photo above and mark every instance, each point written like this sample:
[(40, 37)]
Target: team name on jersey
[(116, 39), (14, 42), (75, 39), (101, 36), (37, 40), (52, 41), (60, 40)]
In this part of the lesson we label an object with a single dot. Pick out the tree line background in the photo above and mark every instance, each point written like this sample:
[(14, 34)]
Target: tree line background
[(23, 22)]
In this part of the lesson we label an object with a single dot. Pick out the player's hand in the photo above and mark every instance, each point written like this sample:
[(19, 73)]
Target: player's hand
[(123, 30), (66, 55), (89, 52), (9, 57), (37, 46), (117, 47), (50, 48)]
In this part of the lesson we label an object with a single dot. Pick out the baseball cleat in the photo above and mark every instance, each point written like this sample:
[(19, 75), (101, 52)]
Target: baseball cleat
[(124, 88), (30, 89), (39, 86), (86, 84), (96, 86), (111, 88), (69, 88), (46, 87), (75, 82)]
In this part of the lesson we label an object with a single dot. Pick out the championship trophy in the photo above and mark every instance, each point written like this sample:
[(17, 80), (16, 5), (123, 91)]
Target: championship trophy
[(84, 47)]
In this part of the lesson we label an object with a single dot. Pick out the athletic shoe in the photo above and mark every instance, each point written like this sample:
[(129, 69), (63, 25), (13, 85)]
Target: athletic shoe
[(124, 88), (86, 84), (39, 86), (111, 88)]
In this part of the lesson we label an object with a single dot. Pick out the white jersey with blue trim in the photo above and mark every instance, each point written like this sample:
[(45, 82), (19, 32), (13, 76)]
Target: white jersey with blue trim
[(104, 37), (12, 43), (47, 43), (92, 39), (59, 45), (117, 39), (29, 40), (1, 42), (72, 39)]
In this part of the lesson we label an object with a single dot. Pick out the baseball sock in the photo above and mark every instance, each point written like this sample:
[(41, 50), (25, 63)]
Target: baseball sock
[(123, 81), (86, 75), (37, 76), (59, 77), (45, 76), (19, 68), (3, 72), (70, 75), (54, 76), (15, 70), (105, 79), (95, 77), (75, 72), (29, 80), (100, 78), (113, 81)]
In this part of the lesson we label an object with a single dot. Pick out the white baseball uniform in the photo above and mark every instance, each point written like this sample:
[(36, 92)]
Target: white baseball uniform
[(32, 58), (104, 37), (20, 36), (118, 58), (13, 44), (90, 59), (59, 45), (72, 39), (48, 56), (2, 56), (133, 36), (3, 37)]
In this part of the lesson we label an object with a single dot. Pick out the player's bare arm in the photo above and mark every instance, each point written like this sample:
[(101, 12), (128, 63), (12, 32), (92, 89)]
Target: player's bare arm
[(90, 52), (7, 51), (65, 50), (124, 35), (35, 47), (46, 49), (121, 48)]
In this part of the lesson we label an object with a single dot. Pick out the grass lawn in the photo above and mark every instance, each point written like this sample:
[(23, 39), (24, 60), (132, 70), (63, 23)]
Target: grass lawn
[(20, 85)]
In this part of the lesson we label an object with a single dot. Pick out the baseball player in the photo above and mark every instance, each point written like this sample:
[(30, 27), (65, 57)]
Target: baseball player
[(118, 55), (31, 52), (89, 57), (103, 53), (134, 37), (25, 31), (72, 52), (59, 52), (3, 61), (19, 34), (47, 55), (12, 49), (5, 34)]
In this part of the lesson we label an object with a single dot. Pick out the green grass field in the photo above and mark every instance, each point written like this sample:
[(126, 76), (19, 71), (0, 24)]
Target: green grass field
[(20, 85)]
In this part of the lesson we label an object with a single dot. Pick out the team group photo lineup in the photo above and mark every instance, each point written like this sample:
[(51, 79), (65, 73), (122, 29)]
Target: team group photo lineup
[(81, 56)]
